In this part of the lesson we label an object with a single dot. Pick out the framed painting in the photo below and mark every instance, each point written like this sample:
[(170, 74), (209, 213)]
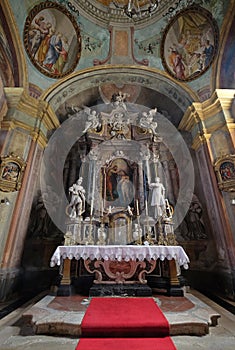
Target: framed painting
[(12, 169), (52, 39), (225, 173), (189, 44)]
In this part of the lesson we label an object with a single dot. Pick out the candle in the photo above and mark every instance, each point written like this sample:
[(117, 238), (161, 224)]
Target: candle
[(146, 207), (137, 207), (102, 207), (92, 202)]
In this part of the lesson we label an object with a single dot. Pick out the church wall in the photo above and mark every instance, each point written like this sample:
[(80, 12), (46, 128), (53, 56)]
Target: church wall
[(211, 124), (214, 258), (15, 216)]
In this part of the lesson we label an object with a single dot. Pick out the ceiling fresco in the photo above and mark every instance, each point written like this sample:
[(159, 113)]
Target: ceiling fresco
[(151, 87), (122, 2)]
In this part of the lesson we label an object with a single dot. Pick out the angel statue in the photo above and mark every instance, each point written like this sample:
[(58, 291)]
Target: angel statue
[(93, 121), (147, 121)]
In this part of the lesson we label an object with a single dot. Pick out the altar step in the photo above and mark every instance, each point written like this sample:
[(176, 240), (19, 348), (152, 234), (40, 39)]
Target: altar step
[(53, 315), (138, 290)]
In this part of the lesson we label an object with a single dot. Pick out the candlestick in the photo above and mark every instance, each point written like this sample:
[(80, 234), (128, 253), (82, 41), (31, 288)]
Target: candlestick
[(146, 208), (92, 204)]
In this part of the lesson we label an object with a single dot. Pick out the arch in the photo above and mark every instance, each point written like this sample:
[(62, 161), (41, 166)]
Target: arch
[(180, 96), (225, 73), (17, 63)]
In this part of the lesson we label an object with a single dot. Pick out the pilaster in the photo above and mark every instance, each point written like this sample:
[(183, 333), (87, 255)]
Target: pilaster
[(206, 122), (26, 127)]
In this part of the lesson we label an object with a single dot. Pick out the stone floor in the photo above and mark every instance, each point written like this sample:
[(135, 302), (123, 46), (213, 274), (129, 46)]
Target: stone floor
[(45, 315)]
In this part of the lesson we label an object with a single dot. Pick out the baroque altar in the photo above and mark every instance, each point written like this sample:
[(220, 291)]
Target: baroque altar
[(120, 202)]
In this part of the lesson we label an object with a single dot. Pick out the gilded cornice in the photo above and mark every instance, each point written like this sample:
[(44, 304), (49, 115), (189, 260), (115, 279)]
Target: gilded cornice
[(203, 119), (35, 133), (200, 112), (199, 140), (39, 116), (40, 138)]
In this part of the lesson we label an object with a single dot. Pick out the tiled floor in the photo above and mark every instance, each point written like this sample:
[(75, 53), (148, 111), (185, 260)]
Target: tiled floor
[(176, 309)]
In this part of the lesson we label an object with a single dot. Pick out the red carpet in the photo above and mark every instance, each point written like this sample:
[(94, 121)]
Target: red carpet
[(126, 344), (124, 317)]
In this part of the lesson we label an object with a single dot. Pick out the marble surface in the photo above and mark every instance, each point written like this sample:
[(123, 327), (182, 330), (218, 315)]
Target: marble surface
[(220, 337)]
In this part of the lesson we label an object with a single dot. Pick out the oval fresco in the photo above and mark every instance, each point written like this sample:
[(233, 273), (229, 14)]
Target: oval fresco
[(52, 39), (189, 44)]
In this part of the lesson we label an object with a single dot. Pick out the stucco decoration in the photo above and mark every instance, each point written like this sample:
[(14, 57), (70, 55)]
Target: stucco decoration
[(11, 172), (52, 39), (189, 44), (225, 172), (108, 90)]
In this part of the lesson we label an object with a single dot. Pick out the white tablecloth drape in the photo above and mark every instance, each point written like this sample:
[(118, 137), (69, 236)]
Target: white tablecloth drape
[(120, 252)]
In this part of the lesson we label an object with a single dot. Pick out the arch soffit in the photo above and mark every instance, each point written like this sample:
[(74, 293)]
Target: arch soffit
[(225, 32), (74, 84), (18, 50)]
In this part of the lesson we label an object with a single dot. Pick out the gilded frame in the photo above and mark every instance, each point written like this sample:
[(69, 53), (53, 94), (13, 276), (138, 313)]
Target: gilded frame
[(12, 168), (225, 173), (52, 39), (189, 44)]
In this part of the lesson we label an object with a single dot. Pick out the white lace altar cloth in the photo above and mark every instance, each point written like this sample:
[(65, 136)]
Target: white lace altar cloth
[(120, 252)]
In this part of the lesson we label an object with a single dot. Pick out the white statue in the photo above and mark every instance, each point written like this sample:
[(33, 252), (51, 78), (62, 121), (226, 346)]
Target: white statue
[(158, 198), (147, 121), (93, 121), (68, 239), (119, 99), (102, 235), (168, 211), (77, 202), (137, 233)]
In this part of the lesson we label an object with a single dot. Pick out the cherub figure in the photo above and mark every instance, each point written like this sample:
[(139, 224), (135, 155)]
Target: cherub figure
[(93, 121), (119, 99), (147, 121)]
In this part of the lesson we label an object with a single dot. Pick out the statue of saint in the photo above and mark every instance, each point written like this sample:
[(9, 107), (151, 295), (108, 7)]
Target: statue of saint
[(77, 202), (196, 228), (158, 198)]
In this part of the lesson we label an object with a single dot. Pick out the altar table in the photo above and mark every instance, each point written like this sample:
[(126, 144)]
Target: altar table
[(121, 264)]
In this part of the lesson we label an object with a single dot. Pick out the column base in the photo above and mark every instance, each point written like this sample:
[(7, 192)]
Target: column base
[(65, 290), (175, 291)]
